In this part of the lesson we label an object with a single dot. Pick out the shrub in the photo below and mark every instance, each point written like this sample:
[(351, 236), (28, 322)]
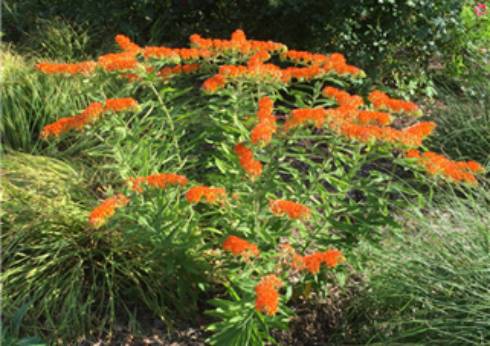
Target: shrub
[(274, 202), (403, 35)]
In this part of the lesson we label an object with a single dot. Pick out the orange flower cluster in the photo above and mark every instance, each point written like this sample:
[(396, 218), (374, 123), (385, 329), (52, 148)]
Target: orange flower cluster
[(437, 164), (360, 125), (343, 98), (161, 53), (257, 72), (120, 104), (192, 54), (238, 246), (411, 136), (301, 73), (250, 165), (421, 129), (211, 195), (259, 52), (301, 116), (160, 180), (106, 209), (178, 69), (237, 43), (88, 116), (304, 57), (374, 118), (76, 122), (266, 127), (126, 44), (333, 63), (118, 61), (292, 209), (214, 83), (258, 58), (382, 101), (331, 258), (267, 295), (84, 67)]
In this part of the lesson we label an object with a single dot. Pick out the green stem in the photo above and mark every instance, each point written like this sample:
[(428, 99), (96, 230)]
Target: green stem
[(170, 123)]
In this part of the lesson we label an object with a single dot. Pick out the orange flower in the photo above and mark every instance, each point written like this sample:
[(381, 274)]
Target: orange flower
[(412, 136), (366, 133), (238, 36), (126, 44), (420, 130), (456, 171), (375, 118), (266, 127), (267, 296), (57, 128), (190, 68), (159, 180), (291, 209), (262, 132), (84, 67), (192, 54), (307, 58), (312, 262), (118, 61), (331, 258), (250, 165), (302, 73), (214, 83), (161, 53), (75, 122), (238, 246), (302, 115), (333, 63), (412, 154), (382, 101), (343, 98), (120, 104), (475, 167), (265, 108), (106, 209), (258, 58), (177, 69), (238, 42), (92, 112), (196, 40), (256, 72), (210, 194)]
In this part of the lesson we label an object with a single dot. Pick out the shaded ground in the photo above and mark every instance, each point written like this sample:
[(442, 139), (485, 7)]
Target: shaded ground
[(315, 322)]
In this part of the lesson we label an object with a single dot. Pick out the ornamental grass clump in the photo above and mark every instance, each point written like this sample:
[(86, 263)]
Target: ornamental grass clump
[(241, 165)]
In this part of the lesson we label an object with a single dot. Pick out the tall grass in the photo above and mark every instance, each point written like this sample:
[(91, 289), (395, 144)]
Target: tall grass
[(464, 124), (431, 286), (62, 279), (57, 39), (31, 99)]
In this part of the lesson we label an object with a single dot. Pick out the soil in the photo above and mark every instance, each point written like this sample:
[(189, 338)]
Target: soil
[(317, 321)]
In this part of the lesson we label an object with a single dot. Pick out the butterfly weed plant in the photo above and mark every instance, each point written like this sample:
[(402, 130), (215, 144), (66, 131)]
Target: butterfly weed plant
[(244, 169)]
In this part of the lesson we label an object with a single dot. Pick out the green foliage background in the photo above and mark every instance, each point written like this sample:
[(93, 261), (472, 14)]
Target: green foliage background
[(400, 33)]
